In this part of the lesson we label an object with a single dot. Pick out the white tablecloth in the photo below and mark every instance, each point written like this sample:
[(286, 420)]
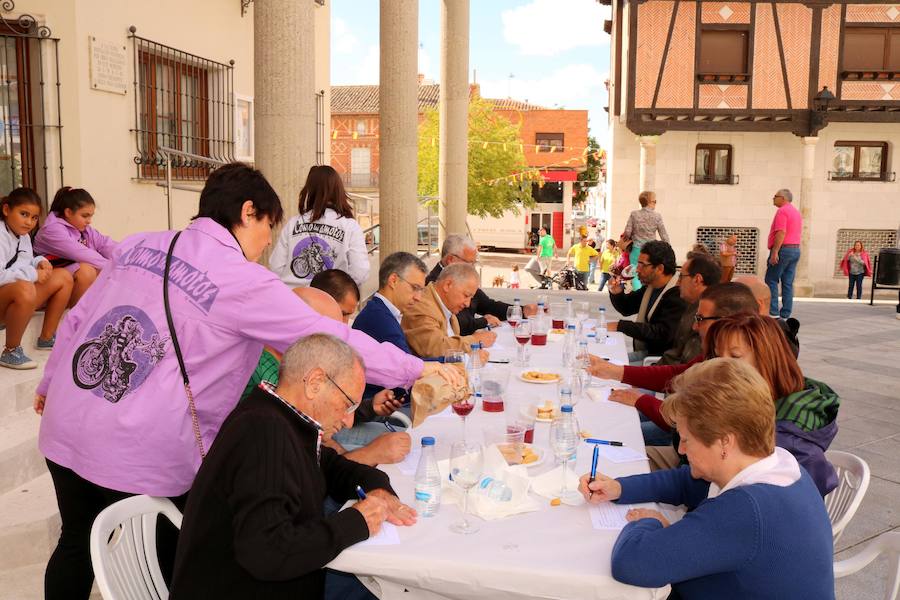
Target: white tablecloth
[(551, 553)]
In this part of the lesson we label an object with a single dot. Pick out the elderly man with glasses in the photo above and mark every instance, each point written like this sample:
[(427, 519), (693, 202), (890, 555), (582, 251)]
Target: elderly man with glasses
[(254, 524), (461, 249)]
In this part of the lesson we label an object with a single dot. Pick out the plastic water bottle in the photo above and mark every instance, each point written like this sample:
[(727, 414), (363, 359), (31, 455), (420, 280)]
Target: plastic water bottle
[(428, 481), (569, 345), (570, 310), (474, 367), (517, 302), (602, 331), (564, 433), (495, 489)]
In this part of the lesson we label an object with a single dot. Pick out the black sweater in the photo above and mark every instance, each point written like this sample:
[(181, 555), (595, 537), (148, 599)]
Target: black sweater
[(254, 525), (481, 304), (659, 331)]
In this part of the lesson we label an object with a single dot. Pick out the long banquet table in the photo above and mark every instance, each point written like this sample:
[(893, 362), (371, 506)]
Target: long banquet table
[(551, 553)]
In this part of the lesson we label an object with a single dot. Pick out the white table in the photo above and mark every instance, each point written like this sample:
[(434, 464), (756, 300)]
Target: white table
[(551, 553)]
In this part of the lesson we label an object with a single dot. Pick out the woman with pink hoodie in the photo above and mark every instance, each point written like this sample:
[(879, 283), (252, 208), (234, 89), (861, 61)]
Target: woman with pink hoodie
[(69, 242), (856, 266)]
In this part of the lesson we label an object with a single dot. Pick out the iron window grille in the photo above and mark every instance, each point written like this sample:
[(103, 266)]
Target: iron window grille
[(30, 104), (182, 101), (747, 245)]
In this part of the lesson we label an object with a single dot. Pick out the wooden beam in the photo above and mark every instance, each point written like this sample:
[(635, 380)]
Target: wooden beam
[(815, 52)]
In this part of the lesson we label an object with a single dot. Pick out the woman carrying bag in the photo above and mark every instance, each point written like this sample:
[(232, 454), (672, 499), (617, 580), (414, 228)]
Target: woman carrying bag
[(138, 383)]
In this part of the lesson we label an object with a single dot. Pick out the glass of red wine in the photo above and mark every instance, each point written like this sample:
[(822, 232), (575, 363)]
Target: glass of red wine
[(513, 315), (523, 336), (463, 408)]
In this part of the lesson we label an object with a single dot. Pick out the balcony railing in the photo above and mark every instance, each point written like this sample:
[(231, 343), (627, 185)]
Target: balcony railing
[(360, 180)]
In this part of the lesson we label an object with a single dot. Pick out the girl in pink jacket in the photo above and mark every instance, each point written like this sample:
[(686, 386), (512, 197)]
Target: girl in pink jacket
[(856, 266), (69, 242)]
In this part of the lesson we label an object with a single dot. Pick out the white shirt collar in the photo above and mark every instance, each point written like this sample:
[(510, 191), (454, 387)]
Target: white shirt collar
[(390, 306), (779, 468), (447, 314)]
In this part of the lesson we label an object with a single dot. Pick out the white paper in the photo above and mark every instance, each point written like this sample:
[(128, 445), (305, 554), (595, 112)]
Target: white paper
[(608, 515), (386, 536), (409, 464), (621, 454)]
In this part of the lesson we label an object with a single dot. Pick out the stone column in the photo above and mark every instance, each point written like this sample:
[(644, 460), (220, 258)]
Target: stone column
[(803, 284), (284, 94), (453, 174), (648, 163), (398, 142)]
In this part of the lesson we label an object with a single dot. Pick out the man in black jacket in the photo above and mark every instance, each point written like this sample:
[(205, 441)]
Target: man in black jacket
[(460, 248), (658, 304), (254, 525)]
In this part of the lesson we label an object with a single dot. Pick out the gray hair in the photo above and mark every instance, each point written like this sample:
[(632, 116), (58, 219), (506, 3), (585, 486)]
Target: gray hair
[(399, 263), (786, 194), (321, 350), (455, 244), (459, 273)]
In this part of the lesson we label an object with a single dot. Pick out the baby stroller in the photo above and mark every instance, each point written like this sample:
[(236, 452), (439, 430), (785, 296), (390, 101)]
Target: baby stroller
[(566, 279)]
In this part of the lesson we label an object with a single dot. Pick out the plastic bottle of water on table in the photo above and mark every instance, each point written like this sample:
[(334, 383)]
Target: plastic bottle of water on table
[(427, 481), (570, 345), (601, 329)]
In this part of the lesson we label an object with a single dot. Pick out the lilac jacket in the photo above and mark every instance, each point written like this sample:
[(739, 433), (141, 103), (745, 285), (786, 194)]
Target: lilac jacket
[(58, 238), (116, 410)]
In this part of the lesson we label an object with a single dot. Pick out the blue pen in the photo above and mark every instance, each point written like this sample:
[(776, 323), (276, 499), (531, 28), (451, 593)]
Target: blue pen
[(361, 493), (594, 460), (603, 442)]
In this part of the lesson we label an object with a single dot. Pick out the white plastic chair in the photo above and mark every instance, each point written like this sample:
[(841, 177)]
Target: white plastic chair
[(649, 361), (399, 416), (886, 543), (123, 548), (844, 500)]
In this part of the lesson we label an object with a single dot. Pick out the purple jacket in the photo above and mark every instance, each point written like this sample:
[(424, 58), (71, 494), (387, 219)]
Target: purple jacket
[(116, 410), (809, 447), (58, 238)]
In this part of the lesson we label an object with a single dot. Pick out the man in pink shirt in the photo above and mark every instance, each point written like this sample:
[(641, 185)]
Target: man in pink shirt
[(784, 253)]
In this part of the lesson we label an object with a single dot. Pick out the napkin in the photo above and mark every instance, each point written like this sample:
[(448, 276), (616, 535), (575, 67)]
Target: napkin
[(495, 466), (548, 484)]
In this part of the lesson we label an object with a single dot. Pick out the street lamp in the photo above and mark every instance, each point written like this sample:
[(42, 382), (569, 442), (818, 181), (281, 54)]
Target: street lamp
[(818, 116)]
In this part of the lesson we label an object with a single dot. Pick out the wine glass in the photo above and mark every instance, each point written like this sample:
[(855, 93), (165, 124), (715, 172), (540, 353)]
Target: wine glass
[(463, 408), (513, 315), (564, 442), (466, 464), (582, 311), (523, 336)]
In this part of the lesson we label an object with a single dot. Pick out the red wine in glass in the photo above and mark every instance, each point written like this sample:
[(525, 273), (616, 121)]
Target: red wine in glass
[(512, 322), (523, 339), (463, 408)]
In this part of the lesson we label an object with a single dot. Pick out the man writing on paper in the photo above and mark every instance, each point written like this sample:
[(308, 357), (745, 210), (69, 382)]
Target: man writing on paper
[(254, 525)]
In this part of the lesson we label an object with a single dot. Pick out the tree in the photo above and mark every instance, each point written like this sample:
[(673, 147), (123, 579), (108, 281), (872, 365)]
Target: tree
[(591, 171), (501, 157)]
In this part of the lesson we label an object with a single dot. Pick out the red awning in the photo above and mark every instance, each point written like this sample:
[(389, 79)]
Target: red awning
[(559, 175)]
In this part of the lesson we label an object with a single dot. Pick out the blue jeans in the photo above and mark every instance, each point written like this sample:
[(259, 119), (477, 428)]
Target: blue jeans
[(593, 268), (856, 280), (604, 277), (653, 434), (783, 273)]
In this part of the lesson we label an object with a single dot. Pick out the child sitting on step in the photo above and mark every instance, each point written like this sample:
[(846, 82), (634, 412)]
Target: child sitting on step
[(69, 242), (27, 281)]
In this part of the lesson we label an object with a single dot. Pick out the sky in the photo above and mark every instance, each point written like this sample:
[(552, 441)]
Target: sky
[(553, 53)]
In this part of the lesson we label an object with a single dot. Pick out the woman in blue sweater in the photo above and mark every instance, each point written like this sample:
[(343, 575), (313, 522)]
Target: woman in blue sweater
[(756, 526)]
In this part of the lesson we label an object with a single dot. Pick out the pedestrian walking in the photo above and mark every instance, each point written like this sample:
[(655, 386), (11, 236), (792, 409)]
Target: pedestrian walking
[(856, 266)]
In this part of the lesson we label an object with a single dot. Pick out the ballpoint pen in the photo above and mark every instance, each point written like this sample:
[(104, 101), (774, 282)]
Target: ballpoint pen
[(594, 466), (360, 493), (603, 442)]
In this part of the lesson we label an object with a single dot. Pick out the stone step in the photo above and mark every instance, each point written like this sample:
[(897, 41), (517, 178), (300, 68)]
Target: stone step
[(29, 524), (17, 387), (20, 460)]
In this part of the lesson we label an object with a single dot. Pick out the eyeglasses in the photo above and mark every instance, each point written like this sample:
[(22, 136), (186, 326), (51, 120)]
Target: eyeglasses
[(641, 263), (700, 318), (351, 405), (416, 288)]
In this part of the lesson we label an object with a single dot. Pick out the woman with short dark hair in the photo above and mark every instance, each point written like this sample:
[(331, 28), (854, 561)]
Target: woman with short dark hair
[(119, 417), (756, 526), (323, 236)]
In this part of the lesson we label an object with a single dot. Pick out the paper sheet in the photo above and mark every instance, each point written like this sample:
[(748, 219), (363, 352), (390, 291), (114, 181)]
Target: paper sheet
[(608, 515), (386, 536), (409, 464), (621, 454)]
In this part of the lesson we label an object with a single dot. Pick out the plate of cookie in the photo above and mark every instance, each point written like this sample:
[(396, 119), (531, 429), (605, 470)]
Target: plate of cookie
[(546, 412), (522, 454), (539, 377)]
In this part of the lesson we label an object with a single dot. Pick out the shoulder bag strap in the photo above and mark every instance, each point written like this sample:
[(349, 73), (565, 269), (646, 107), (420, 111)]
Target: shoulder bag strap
[(187, 384)]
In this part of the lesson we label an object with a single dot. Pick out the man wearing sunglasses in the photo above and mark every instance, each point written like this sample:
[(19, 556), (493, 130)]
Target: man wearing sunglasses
[(254, 524)]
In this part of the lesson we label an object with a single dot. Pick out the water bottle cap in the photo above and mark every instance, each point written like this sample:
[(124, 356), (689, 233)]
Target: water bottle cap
[(474, 346), (478, 394), (582, 342), (570, 327), (568, 299), (516, 300), (602, 309), (566, 408), (428, 441)]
